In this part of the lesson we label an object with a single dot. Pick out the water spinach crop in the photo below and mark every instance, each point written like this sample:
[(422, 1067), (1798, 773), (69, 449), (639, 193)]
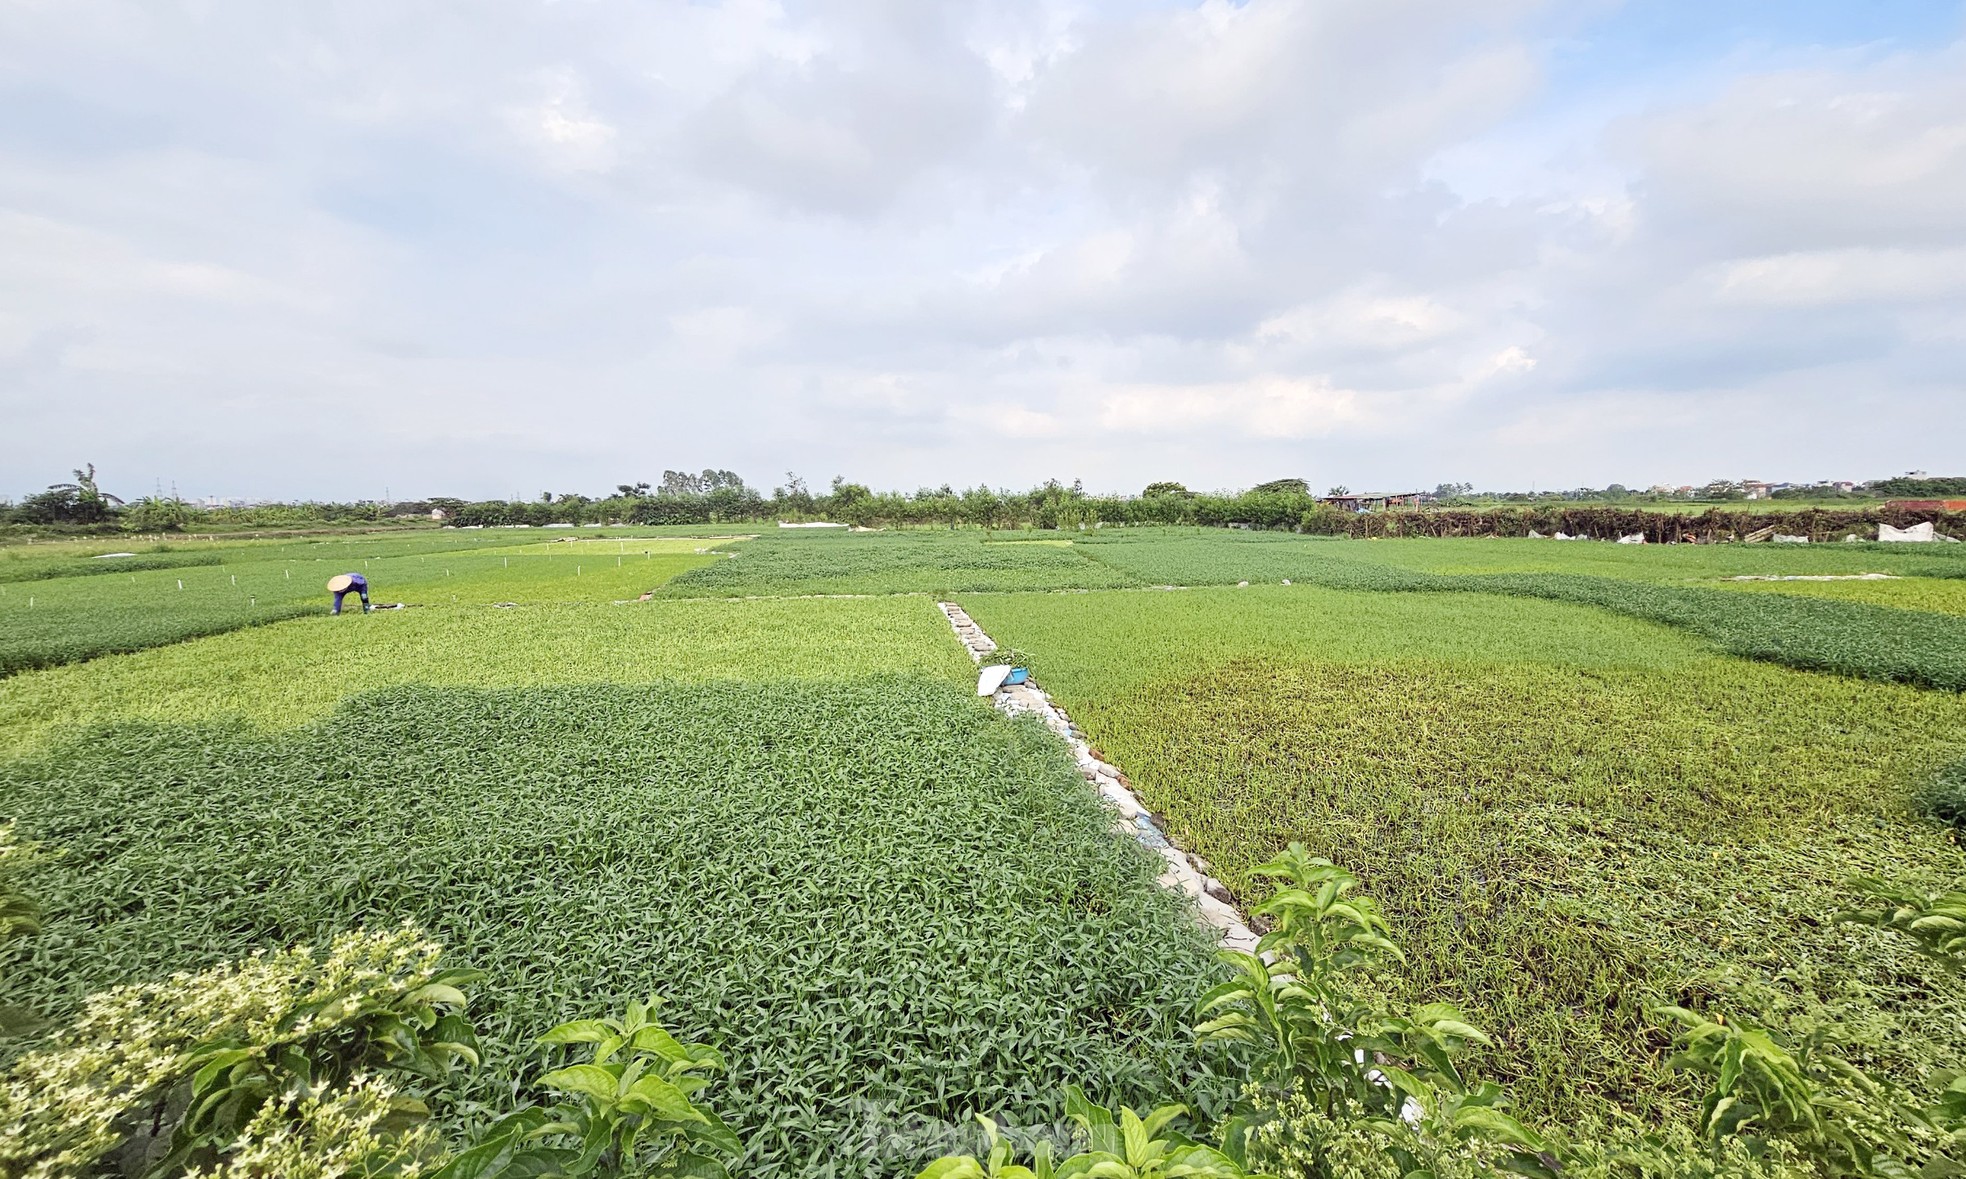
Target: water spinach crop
[(885, 905)]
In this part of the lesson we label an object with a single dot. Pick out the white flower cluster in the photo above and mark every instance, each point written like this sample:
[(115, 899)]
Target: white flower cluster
[(333, 1136), (66, 1105)]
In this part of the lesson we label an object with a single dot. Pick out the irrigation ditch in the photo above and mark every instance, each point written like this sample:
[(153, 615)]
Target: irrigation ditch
[(1180, 872)]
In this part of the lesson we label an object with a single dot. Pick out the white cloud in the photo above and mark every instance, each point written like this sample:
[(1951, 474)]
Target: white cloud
[(1261, 407), (1513, 359), (1361, 240), (1820, 278), (565, 129)]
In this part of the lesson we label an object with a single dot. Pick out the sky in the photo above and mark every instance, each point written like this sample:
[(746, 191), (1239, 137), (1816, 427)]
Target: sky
[(359, 248)]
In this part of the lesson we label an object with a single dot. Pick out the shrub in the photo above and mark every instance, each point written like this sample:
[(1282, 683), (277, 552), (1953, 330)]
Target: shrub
[(193, 1073)]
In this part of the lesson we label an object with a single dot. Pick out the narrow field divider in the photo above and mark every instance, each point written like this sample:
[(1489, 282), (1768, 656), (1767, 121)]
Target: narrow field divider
[(1183, 873)]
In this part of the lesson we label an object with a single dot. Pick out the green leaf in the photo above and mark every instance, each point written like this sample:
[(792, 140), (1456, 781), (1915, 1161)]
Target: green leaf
[(714, 1133), (954, 1167), (1492, 1125), (590, 1080), (580, 1031), (690, 1165), (656, 1040), (665, 1100), (439, 993)]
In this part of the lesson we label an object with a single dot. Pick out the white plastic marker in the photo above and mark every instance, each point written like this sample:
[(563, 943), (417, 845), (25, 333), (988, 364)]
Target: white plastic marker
[(991, 679), (180, 583)]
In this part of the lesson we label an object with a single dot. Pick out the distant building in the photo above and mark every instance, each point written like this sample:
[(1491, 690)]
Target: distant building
[(1756, 489), (1844, 485), (1378, 501), (439, 514)]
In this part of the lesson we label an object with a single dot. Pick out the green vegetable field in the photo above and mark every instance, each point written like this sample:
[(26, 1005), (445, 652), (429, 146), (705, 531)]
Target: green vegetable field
[(1569, 816), (1582, 784), (61, 617)]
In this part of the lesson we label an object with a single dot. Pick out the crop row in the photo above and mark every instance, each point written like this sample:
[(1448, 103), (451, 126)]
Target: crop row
[(886, 906)]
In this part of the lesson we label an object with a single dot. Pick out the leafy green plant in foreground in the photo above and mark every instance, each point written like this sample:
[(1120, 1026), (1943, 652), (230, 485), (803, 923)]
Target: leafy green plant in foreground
[(1794, 1095), (272, 1053), (1934, 921), (1126, 1147), (1763, 1087), (1306, 1003), (627, 1111)]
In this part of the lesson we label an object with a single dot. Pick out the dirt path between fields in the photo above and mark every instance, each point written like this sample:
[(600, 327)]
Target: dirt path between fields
[(1181, 872)]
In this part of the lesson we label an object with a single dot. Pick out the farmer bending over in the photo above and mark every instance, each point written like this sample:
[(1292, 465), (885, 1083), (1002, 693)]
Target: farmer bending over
[(343, 584)]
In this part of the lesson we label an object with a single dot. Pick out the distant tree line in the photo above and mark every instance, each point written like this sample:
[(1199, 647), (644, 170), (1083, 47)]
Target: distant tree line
[(1908, 487), (722, 497)]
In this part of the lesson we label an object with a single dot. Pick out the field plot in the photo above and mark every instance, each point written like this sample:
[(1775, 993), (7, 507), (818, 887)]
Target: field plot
[(65, 619), (1937, 595), (897, 562), (1570, 816), (1660, 563), (1846, 637), (887, 905), (300, 671), (1213, 557)]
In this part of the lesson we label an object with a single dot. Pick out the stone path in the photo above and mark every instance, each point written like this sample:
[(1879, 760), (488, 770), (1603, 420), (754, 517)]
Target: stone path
[(1181, 872)]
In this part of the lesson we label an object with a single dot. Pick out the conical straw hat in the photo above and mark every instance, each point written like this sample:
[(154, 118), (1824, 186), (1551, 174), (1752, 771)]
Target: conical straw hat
[(339, 582)]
